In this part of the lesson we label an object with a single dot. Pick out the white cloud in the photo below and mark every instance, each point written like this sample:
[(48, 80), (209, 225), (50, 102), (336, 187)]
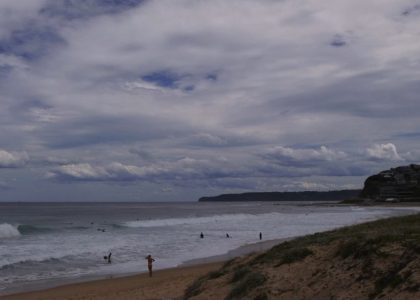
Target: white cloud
[(321, 154), (12, 159), (384, 152), (181, 169)]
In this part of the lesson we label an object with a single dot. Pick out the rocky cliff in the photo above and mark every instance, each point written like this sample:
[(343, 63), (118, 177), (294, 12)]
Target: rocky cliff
[(400, 183)]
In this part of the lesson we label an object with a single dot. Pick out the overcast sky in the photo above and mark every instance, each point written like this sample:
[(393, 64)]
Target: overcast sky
[(131, 100)]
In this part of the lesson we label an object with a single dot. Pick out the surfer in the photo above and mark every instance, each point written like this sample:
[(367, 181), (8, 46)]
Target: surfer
[(227, 235), (260, 236), (150, 261), (202, 235), (108, 257)]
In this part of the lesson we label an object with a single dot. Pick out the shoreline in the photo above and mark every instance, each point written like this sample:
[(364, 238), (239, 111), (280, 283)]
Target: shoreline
[(193, 267), (199, 263), (165, 284)]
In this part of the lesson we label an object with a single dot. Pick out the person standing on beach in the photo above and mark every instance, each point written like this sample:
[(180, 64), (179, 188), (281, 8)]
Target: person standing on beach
[(150, 261)]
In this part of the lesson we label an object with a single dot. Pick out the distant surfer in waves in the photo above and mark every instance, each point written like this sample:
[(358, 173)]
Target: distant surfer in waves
[(201, 235), (227, 235), (150, 261), (260, 236)]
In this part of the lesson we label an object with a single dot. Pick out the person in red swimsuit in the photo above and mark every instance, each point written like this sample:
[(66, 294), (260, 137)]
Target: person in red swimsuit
[(150, 261)]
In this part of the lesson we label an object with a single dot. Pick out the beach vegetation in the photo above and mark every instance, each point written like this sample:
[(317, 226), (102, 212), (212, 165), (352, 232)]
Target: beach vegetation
[(359, 248), (294, 255), (262, 296), (195, 288), (216, 274), (229, 263), (248, 283), (285, 253), (240, 273), (383, 253)]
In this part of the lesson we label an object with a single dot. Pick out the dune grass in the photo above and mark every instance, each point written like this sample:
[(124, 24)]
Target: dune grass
[(361, 244)]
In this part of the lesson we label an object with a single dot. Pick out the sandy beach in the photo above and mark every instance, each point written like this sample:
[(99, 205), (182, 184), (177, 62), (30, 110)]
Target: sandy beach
[(165, 284)]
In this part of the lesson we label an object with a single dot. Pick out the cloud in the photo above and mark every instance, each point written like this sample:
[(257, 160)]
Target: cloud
[(4, 186), (338, 41), (181, 169), (12, 159), (411, 10), (81, 9), (384, 152), (288, 156), (206, 91)]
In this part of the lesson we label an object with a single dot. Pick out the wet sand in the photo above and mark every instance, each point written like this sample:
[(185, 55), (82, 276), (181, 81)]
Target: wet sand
[(165, 284)]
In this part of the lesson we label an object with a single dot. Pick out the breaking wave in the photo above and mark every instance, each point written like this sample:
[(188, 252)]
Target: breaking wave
[(8, 231), (30, 229)]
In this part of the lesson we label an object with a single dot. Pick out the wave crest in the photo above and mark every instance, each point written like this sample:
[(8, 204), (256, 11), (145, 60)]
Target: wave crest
[(29, 229), (192, 220), (8, 231)]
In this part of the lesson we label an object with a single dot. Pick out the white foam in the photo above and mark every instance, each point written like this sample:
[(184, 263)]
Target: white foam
[(194, 220), (8, 231)]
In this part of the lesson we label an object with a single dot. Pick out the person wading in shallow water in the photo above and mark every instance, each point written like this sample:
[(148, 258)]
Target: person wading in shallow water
[(150, 261), (108, 257)]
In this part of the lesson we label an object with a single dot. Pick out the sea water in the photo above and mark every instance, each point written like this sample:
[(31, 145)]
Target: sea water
[(48, 242)]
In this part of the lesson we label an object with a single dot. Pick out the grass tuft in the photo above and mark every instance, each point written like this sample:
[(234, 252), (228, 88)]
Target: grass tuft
[(216, 274), (195, 288), (294, 255), (250, 282), (240, 273), (262, 296)]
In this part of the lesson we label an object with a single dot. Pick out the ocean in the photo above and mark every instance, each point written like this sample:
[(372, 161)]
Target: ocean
[(42, 244)]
